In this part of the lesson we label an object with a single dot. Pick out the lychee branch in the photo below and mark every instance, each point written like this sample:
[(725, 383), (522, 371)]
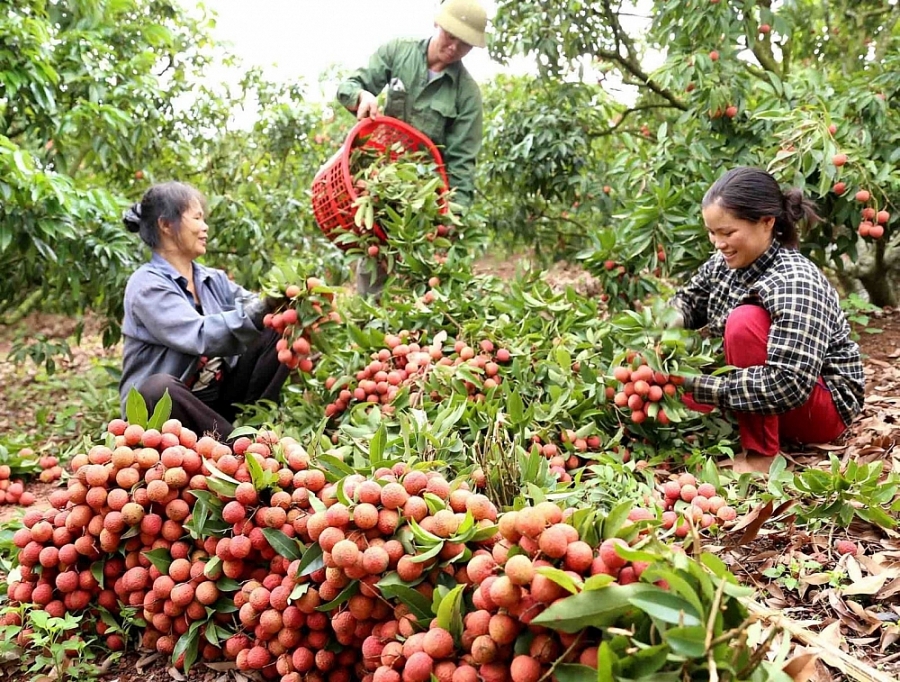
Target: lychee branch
[(625, 114), (629, 61)]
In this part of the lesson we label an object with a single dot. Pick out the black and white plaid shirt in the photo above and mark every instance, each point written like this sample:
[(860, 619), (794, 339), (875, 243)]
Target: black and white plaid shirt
[(809, 337)]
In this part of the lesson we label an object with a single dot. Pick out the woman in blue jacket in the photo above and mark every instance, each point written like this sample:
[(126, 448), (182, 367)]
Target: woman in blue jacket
[(189, 329)]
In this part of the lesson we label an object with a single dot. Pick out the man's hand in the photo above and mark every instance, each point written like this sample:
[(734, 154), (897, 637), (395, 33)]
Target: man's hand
[(367, 105)]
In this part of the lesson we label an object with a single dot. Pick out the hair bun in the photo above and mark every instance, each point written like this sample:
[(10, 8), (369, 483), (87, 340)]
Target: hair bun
[(132, 218), (795, 204)]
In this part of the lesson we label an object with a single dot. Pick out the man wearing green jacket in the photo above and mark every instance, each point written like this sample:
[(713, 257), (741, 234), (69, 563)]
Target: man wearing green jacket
[(429, 88)]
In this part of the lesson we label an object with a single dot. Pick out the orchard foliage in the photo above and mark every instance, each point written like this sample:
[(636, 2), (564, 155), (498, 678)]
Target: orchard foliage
[(99, 99), (83, 108), (475, 478), (785, 87)]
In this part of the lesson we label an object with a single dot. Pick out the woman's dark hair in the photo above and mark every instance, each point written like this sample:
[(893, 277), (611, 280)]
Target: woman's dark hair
[(169, 201), (753, 194)]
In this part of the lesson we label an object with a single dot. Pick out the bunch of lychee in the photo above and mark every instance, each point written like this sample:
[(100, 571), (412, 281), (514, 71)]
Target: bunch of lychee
[(431, 293), (644, 392), (620, 272), (306, 311), (688, 502), (873, 221), (50, 468), (405, 363)]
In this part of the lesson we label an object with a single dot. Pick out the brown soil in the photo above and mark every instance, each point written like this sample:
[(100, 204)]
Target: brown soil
[(559, 276), (18, 409)]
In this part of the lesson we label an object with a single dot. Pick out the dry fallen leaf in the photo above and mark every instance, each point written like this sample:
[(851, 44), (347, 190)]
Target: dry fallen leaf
[(869, 585), (802, 666), (831, 634), (816, 579), (889, 636), (753, 521), (854, 571), (889, 590), (865, 616)]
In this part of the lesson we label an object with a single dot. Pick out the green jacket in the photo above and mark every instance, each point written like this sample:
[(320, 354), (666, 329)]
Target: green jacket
[(447, 109)]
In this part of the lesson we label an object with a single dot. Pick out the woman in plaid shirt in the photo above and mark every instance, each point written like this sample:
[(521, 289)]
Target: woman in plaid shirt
[(799, 375)]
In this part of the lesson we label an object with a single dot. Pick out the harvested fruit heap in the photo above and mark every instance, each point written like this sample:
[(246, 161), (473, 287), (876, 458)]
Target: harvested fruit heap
[(305, 312), (257, 555), (12, 490), (16, 470), (404, 363)]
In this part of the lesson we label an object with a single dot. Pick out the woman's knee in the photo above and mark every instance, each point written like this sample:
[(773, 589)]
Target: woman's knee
[(155, 386), (747, 324)]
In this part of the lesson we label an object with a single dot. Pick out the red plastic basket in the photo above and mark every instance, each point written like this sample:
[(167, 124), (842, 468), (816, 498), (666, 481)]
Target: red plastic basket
[(333, 192)]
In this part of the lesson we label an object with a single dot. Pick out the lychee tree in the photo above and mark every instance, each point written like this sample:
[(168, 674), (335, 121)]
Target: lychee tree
[(539, 181)]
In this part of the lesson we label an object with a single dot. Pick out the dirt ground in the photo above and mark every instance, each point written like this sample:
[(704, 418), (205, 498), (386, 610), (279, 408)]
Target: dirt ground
[(871, 437)]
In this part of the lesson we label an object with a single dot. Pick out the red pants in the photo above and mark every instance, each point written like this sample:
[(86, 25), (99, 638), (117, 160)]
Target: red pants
[(816, 421)]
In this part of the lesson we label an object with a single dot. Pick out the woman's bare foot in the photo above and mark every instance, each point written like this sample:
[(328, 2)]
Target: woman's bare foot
[(749, 462)]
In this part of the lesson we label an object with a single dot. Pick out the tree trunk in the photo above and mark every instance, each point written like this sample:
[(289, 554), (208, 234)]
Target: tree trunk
[(880, 288)]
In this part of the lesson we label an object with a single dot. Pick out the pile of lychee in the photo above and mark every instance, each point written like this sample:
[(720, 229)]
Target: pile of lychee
[(270, 561), (12, 490), (124, 534), (510, 586), (306, 310), (287, 620), (124, 501), (403, 362), (687, 502)]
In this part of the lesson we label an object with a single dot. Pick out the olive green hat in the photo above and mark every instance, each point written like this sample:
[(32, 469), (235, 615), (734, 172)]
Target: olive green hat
[(464, 19)]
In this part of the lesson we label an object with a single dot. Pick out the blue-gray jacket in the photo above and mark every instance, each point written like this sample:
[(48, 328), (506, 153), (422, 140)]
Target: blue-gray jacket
[(164, 333)]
